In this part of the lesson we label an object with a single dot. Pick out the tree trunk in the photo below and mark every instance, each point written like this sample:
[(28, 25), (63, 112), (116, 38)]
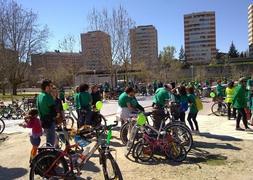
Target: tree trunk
[(3, 89), (14, 89)]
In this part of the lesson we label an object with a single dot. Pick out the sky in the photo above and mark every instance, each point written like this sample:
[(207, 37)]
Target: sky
[(65, 17)]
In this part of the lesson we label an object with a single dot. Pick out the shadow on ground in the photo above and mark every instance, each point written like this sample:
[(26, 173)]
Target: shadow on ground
[(220, 137), (12, 173)]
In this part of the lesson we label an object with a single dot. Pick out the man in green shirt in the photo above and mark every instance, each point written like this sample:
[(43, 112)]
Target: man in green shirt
[(239, 102), (47, 112), (162, 95)]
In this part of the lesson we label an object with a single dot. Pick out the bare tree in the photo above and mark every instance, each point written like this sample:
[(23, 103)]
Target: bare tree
[(22, 34), (68, 43), (117, 24)]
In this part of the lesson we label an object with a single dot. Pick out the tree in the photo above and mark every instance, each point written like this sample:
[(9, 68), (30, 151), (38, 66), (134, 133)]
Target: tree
[(117, 24), (20, 33), (233, 52), (181, 54), (68, 43)]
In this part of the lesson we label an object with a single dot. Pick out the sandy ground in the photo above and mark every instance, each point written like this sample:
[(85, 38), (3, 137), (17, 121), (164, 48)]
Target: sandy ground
[(219, 152)]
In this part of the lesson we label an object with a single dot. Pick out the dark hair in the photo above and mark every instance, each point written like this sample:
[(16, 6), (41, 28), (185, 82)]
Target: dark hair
[(182, 90), (33, 112), (83, 87), (77, 89), (45, 83), (190, 90), (129, 90)]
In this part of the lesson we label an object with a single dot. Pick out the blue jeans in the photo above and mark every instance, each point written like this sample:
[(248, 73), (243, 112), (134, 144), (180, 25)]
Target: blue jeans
[(50, 134)]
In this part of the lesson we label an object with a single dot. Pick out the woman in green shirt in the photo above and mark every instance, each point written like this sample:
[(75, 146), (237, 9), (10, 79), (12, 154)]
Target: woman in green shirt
[(84, 102), (192, 116)]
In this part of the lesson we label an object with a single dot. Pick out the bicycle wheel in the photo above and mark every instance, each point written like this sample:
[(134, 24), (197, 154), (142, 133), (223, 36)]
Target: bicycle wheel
[(2, 126), (132, 139), (69, 122), (143, 151), (43, 161), (111, 169), (219, 109), (181, 135), (176, 152), (125, 132)]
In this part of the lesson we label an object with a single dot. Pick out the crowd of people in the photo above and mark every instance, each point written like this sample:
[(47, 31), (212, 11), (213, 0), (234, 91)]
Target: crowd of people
[(49, 108)]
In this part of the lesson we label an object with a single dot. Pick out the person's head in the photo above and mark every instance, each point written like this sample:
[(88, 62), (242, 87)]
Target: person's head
[(219, 81), (54, 92), (190, 90), (231, 84), (33, 112), (130, 91), (243, 81), (46, 85), (83, 87), (168, 87), (94, 88), (182, 90), (77, 89)]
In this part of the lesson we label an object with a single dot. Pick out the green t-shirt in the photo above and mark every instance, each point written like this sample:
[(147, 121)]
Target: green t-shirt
[(191, 100), (123, 100), (45, 103), (84, 100), (220, 90), (75, 101), (161, 95)]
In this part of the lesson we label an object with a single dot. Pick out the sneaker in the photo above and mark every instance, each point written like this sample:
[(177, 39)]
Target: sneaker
[(248, 130), (239, 129)]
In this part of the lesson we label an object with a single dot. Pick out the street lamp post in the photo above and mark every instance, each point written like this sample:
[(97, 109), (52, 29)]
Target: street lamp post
[(192, 71), (94, 71)]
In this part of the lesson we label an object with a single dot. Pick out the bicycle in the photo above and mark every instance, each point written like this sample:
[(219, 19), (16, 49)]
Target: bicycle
[(219, 108), (52, 162), (152, 141), (2, 126), (179, 128)]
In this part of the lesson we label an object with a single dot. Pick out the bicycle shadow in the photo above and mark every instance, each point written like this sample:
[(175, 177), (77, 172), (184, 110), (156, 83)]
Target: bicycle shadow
[(90, 166), (12, 173), (209, 145), (219, 137)]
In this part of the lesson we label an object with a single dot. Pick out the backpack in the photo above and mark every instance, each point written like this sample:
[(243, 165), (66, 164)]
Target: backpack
[(199, 104)]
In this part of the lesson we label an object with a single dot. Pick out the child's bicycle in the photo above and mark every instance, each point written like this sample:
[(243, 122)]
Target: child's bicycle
[(63, 164), (152, 143)]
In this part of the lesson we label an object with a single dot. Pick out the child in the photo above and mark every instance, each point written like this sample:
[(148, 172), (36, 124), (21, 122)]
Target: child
[(193, 110), (31, 121)]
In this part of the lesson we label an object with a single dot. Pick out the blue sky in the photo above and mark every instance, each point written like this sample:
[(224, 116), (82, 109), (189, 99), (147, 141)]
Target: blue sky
[(70, 17)]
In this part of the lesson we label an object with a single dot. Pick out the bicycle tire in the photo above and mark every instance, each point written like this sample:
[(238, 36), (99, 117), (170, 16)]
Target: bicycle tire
[(130, 142), (115, 167), (124, 130), (2, 126), (139, 150), (69, 122), (43, 161), (219, 112), (177, 152), (185, 139)]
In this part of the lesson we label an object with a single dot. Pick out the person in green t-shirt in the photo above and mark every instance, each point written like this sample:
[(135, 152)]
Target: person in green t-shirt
[(62, 95), (128, 104), (240, 103), (84, 102), (192, 116), (47, 111), (182, 100), (76, 104), (162, 96)]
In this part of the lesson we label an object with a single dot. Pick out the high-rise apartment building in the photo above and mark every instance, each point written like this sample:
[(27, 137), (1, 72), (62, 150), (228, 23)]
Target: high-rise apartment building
[(200, 37), (96, 49), (250, 29), (143, 44)]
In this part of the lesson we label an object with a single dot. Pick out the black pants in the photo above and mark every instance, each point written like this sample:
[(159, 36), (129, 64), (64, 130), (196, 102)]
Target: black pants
[(192, 117), (229, 111), (180, 116), (241, 114), (158, 115)]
